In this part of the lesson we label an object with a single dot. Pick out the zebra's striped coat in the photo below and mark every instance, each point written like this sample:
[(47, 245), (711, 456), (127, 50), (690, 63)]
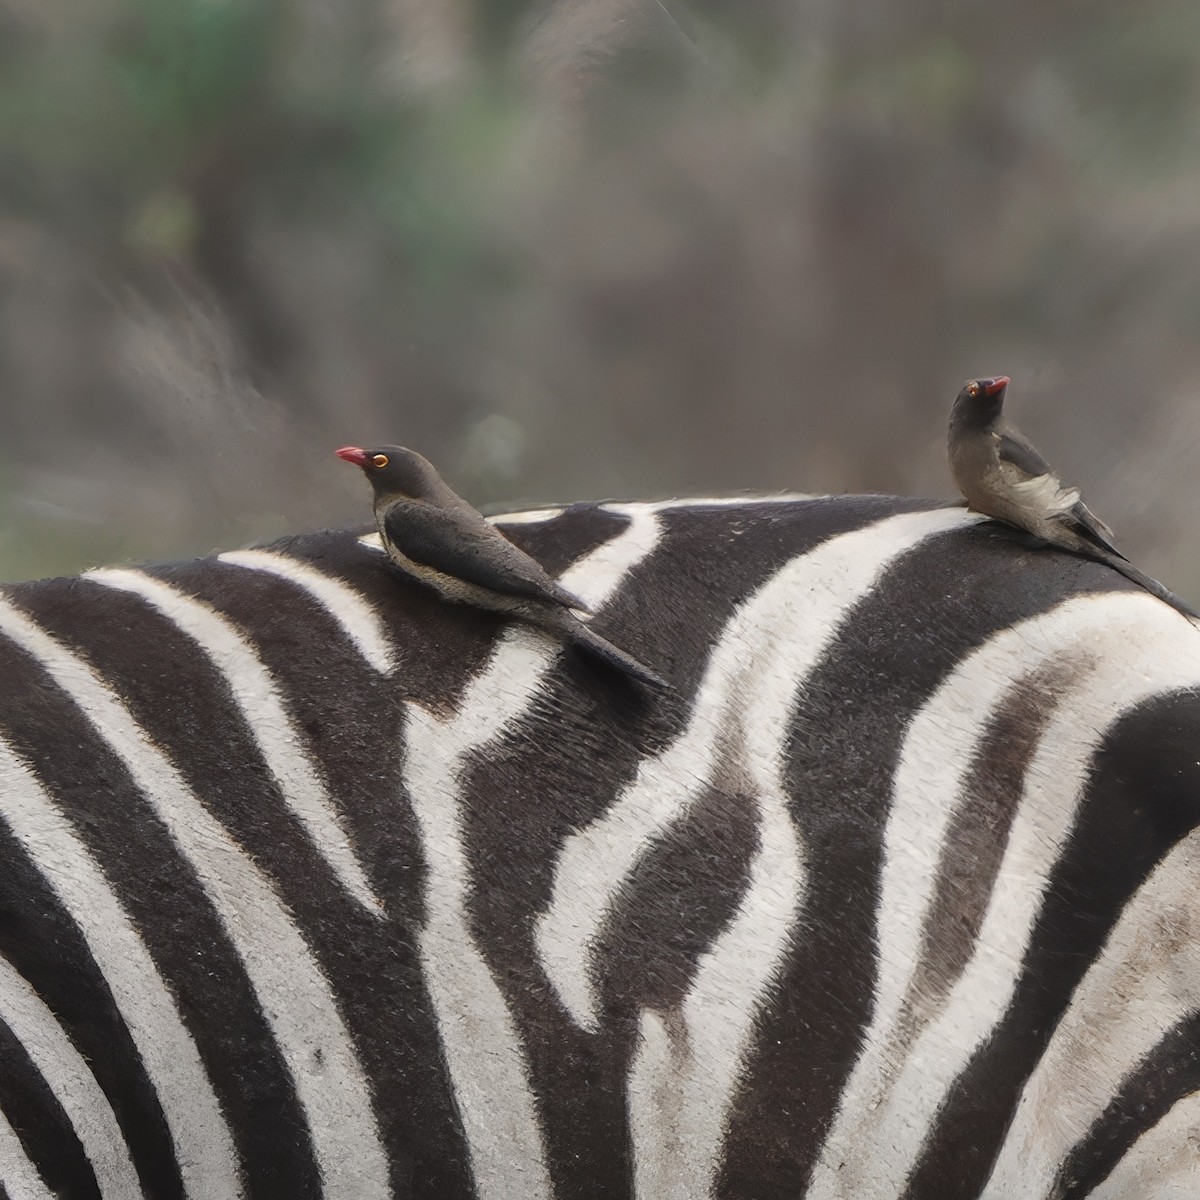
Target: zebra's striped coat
[(315, 886)]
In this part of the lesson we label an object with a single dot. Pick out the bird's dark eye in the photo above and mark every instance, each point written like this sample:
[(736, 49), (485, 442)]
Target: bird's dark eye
[(972, 389), (380, 460)]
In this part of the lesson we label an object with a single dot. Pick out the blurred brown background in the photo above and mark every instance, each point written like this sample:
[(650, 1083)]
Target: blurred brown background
[(585, 248)]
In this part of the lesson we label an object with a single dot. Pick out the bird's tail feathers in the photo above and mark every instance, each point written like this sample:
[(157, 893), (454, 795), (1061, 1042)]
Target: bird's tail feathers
[(1100, 525), (1089, 526), (1153, 587), (591, 642), (569, 599)]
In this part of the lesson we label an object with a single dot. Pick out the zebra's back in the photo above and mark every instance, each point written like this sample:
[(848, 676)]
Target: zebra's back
[(316, 886)]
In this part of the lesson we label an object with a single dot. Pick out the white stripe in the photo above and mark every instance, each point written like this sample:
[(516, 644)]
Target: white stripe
[(68, 1076), (203, 1146), (480, 1040), (370, 541), (770, 643), (937, 755), (893, 1096), (680, 1090), (1164, 1163), (262, 708), (536, 516), (680, 1103), (1146, 980), (19, 1176), (359, 621), (657, 507), (295, 998)]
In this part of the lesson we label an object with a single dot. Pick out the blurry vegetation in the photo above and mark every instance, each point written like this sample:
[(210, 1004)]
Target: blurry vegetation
[(584, 248)]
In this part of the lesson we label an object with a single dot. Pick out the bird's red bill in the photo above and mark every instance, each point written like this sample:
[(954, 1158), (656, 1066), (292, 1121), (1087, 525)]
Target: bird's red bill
[(990, 386), (353, 454)]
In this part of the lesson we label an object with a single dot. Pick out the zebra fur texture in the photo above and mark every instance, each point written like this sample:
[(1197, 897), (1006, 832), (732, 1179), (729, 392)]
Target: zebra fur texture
[(315, 886)]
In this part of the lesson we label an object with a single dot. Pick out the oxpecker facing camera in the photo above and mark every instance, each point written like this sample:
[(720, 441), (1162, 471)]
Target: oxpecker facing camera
[(437, 538), (1004, 477)]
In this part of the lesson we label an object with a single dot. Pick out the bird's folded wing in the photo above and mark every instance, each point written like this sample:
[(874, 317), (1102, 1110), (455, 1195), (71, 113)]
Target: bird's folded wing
[(1088, 525), (1029, 473), (1043, 495), (1016, 452), (465, 546), (1032, 478)]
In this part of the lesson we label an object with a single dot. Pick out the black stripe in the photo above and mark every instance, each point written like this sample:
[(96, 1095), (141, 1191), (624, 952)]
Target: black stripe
[(343, 712), (580, 748), (567, 538), (1168, 1074), (41, 1124), (440, 647), (978, 833), (354, 730), (44, 944), (1143, 796), (681, 897), (147, 659), (930, 610)]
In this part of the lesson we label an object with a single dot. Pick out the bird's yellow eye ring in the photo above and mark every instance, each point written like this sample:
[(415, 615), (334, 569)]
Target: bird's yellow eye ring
[(973, 389), (380, 460)]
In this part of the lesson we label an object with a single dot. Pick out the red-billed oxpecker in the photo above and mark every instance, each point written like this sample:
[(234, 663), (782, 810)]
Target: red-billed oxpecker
[(437, 538), (1004, 477)]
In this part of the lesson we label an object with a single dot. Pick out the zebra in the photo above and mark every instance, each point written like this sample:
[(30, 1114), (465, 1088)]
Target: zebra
[(315, 886)]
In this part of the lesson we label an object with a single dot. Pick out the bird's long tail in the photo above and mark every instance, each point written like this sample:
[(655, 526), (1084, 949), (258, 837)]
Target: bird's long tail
[(586, 639), (1151, 585)]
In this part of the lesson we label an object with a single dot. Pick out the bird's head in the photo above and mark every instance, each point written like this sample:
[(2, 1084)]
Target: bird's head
[(983, 398), (394, 471)]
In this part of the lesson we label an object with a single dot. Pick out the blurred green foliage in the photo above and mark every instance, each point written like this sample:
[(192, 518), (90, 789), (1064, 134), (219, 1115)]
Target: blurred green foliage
[(189, 66), (582, 247)]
